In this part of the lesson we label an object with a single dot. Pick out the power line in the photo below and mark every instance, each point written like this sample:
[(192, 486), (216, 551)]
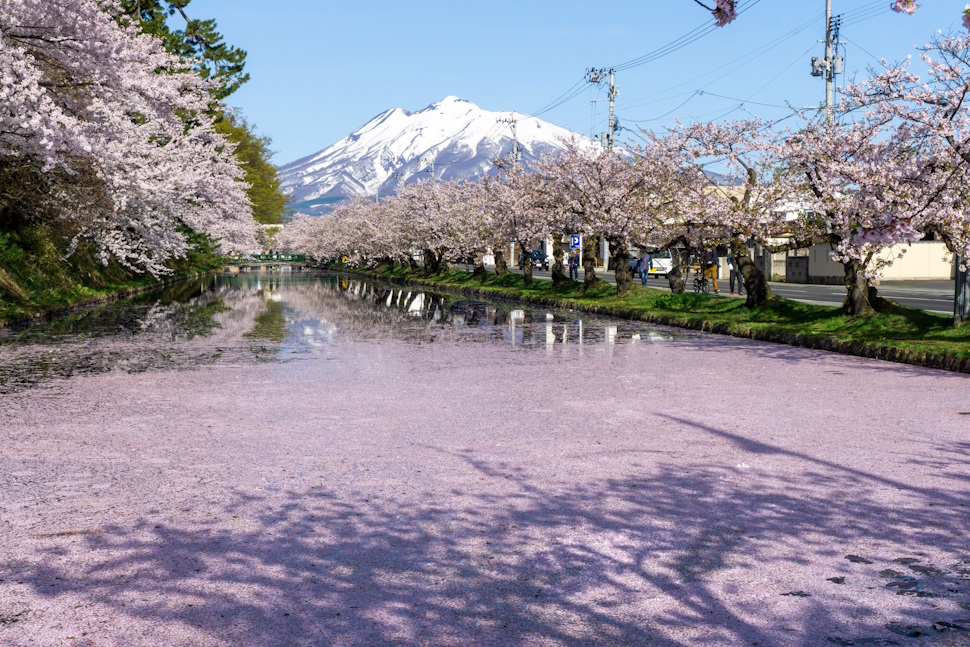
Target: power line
[(755, 103), (858, 14), (659, 117), (864, 50), (747, 58), (559, 100), (678, 43), (872, 13), (701, 92)]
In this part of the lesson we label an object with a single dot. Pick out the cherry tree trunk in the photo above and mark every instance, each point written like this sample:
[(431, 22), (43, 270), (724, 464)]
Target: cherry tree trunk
[(860, 295), (558, 272), (961, 293), (675, 278), (501, 267), (621, 267), (527, 270), (430, 262), (589, 261), (755, 283), (480, 267)]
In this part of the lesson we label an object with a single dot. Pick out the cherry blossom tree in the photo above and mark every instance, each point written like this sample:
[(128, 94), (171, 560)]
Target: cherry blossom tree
[(118, 128), (599, 194), (423, 202), (749, 207), (521, 213), (865, 186), (933, 114), (897, 164)]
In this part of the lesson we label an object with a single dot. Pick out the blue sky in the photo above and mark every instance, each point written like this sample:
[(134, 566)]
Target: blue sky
[(321, 69)]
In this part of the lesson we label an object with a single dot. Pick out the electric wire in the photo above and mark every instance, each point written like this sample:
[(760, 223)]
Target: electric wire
[(862, 17), (864, 50), (852, 16), (701, 92), (679, 43), (747, 58), (552, 104)]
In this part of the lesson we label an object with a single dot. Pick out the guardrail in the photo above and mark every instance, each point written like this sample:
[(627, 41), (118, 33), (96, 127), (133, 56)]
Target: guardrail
[(282, 258)]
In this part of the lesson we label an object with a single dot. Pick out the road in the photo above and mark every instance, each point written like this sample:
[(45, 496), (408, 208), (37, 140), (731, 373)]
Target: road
[(934, 296)]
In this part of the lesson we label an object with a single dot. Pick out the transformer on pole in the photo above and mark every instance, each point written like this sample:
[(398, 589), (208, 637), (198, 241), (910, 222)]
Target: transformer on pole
[(831, 65), (511, 121), (597, 76)]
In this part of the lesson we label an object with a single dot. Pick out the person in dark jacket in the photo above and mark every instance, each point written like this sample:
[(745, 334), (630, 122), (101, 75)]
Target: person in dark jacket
[(735, 275), (710, 267), (645, 265), (574, 267)]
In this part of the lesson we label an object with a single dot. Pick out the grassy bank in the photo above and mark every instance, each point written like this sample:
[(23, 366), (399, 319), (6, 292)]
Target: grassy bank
[(37, 277), (899, 334)]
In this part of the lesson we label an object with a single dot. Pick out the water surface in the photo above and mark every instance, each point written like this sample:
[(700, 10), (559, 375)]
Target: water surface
[(286, 317)]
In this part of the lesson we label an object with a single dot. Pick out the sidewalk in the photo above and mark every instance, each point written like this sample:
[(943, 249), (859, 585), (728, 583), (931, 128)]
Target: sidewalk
[(932, 296)]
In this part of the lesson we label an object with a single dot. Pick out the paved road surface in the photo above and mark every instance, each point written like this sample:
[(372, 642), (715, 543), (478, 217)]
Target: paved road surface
[(935, 296)]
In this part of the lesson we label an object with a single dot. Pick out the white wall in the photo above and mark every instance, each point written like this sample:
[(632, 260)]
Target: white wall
[(922, 260)]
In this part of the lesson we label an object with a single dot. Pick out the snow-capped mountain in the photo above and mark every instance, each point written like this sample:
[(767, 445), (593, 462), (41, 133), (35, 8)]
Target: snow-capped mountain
[(455, 138)]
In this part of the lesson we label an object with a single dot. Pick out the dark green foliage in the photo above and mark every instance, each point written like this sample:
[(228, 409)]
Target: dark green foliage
[(253, 153), (201, 257), (198, 40), (37, 275)]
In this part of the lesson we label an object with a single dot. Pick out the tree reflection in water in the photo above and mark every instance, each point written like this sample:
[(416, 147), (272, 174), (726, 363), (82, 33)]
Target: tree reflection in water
[(279, 317)]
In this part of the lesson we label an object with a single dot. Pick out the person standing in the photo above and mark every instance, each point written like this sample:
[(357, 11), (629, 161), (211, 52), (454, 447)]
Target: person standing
[(710, 267), (646, 264), (735, 275), (574, 267)]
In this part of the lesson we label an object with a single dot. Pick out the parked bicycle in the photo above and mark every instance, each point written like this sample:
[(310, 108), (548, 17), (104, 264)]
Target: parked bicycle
[(700, 283)]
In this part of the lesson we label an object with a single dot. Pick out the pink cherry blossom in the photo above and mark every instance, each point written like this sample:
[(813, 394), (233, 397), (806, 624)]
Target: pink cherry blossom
[(905, 6), (725, 12), (89, 96)]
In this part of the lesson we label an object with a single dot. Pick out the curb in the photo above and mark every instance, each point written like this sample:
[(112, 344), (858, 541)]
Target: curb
[(830, 344)]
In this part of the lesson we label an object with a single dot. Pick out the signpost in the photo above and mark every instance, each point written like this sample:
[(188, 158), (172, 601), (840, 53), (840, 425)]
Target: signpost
[(575, 241)]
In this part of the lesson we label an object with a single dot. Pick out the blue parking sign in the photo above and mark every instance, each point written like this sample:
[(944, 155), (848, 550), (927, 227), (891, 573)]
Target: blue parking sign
[(574, 242)]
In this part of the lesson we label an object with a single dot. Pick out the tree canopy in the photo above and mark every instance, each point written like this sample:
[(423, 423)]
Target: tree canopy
[(199, 40)]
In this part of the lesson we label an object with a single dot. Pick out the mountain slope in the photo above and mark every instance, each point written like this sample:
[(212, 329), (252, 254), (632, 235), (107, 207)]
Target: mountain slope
[(454, 137)]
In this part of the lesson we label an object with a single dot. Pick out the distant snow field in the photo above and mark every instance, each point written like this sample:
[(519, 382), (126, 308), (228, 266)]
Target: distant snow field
[(455, 138)]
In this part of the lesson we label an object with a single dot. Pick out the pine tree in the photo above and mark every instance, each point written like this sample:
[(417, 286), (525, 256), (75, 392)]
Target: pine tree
[(201, 40)]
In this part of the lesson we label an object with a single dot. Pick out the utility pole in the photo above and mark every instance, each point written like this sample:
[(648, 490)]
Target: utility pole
[(829, 80), (511, 121), (594, 75), (429, 159), (831, 65)]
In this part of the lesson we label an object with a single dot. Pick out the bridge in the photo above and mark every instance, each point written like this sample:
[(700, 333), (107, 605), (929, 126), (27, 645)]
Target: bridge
[(268, 263)]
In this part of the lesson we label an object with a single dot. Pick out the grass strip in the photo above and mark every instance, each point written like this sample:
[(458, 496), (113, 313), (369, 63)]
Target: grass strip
[(898, 334)]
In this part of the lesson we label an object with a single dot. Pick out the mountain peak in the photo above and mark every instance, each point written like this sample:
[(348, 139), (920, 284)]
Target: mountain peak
[(398, 146)]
